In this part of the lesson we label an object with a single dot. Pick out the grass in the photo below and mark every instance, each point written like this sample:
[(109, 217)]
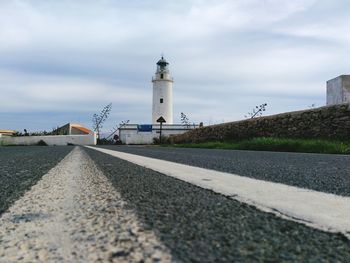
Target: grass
[(278, 145)]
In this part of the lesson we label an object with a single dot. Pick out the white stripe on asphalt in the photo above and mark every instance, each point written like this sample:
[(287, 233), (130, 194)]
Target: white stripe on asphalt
[(74, 214), (320, 210)]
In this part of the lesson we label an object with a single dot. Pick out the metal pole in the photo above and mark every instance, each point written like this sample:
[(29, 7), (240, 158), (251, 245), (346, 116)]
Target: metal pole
[(160, 133)]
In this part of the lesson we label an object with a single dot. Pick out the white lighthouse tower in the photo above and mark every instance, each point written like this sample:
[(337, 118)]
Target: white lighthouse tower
[(162, 93)]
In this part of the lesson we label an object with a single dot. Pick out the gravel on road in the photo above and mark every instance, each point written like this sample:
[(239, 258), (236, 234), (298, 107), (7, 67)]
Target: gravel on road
[(198, 225), (320, 172), (23, 166), (74, 214)]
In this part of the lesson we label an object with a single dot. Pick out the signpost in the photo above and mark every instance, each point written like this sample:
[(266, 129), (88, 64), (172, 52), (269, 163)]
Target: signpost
[(160, 120)]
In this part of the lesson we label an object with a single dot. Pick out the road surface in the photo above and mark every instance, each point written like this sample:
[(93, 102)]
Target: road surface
[(321, 172), (95, 207)]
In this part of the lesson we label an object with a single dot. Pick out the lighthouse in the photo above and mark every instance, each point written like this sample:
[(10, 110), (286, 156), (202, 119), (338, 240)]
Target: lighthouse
[(162, 110), (162, 93)]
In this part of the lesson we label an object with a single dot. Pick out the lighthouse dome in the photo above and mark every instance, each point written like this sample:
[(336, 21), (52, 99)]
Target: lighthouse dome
[(162, 66), (162, 62)]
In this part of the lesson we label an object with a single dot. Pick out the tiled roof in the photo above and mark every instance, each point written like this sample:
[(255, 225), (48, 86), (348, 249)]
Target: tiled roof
[(83, 129)]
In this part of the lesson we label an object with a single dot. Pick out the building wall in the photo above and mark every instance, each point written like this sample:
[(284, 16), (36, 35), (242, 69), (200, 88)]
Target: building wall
[(346, 89), (162, 89), (130, 135), (331, 122), (338, 90), (50, 140)]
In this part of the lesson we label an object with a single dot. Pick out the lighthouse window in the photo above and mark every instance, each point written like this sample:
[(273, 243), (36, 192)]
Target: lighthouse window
[(161, 76), (161, 100)]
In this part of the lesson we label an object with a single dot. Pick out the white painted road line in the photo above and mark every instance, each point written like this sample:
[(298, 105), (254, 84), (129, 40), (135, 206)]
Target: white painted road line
[(74, 214), (324, 211)]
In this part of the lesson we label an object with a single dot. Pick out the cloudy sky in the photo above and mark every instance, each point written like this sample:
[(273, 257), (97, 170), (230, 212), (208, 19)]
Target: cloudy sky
[(62, 61)]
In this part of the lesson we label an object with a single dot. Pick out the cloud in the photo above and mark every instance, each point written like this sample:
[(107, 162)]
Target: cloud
[(73, 57), (34, 92), (88, 25)]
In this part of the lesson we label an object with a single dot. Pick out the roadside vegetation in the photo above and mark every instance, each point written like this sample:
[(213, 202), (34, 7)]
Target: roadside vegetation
[(41, 143), (277, 144)]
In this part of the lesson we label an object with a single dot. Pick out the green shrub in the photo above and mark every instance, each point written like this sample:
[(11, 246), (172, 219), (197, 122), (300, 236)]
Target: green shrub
[(165, 140), (278, 144), (41, 143), (105, 141)]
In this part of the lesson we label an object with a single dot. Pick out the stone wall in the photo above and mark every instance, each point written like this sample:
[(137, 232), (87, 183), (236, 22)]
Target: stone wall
[(330, 122)]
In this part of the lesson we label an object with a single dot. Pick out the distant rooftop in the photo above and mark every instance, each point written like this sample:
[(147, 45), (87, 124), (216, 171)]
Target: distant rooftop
[(7, 132)]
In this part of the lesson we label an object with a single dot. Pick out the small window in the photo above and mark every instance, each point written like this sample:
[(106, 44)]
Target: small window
[(161, 100), (161, 76)]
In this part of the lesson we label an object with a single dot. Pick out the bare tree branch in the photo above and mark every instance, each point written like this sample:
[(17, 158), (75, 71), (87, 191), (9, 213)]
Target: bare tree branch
[(99, 119), (257, 111)]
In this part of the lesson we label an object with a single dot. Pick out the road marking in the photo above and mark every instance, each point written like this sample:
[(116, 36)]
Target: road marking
[(324, 211), (74, 214)]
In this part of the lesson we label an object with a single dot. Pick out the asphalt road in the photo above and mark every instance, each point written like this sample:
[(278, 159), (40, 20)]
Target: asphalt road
[(74, 214), (198, 225), (23, 166), (193, 224), (320, 172)]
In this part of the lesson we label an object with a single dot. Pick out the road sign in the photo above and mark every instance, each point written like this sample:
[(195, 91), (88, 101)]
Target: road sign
[(161, 119)]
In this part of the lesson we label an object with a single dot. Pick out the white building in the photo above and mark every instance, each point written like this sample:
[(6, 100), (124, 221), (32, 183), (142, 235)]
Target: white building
[(338, 90), (6, 132), (72, 129), (162, 106), (145, 134)]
